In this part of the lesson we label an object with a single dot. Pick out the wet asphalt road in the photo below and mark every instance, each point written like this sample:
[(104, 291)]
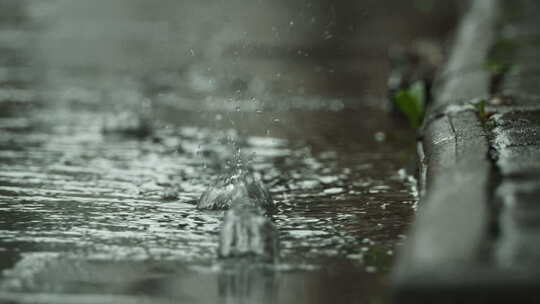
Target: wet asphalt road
[(93, 217)]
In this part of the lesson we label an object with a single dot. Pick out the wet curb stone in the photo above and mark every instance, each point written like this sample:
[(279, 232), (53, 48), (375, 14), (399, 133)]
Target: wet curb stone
[(476, 238)]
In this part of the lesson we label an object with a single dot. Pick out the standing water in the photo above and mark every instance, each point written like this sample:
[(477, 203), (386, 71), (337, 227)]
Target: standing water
[(116, 117)]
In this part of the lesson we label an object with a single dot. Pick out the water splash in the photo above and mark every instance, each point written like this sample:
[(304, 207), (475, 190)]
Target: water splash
[(240, 186)]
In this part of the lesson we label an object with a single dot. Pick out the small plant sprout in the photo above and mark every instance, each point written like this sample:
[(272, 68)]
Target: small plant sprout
[(412, 102), (480, 107)]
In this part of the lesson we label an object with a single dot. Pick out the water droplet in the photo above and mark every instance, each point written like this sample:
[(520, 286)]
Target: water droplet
[(371, 269), (327, 35), (379, 136)]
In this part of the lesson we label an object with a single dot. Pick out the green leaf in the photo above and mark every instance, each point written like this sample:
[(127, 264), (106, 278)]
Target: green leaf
[(411, 102), (497, 67), (481, 108)]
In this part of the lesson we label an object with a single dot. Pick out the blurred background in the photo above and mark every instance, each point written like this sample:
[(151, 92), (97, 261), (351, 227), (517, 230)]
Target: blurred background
[(257, 48)]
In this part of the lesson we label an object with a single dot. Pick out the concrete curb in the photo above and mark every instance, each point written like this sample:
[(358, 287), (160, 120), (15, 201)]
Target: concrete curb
[(453, 249)]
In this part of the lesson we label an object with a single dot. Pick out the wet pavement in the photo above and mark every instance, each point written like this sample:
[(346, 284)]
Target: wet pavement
[(114, 120)]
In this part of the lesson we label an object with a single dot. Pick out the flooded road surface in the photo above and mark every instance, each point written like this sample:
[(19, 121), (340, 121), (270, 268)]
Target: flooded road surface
[(114, 119), (79, 207)]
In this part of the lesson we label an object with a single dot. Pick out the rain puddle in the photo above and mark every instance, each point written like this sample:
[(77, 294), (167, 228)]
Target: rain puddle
[(72, 197)]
